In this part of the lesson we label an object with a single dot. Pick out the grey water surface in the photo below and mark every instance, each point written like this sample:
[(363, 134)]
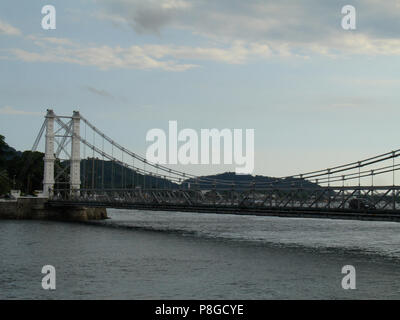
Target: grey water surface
[(174, 255)]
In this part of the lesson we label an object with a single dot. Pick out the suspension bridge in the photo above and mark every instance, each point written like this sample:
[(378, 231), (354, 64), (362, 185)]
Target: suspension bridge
[(96, 171)]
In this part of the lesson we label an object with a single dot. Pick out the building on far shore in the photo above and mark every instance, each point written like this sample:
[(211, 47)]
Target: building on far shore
[(15, 193)]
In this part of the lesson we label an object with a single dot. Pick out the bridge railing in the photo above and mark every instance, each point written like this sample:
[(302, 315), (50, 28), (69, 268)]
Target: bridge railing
[(357, 199)]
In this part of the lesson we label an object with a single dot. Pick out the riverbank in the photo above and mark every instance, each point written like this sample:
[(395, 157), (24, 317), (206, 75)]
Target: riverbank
[(30, 208)]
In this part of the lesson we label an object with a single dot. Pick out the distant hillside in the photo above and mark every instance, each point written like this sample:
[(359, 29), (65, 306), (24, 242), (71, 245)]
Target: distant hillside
[(24, 170), (96, 173), (241, 181), (116, 176)]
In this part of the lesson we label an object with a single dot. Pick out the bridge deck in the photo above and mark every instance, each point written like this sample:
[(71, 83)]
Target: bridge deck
[(345, 214)]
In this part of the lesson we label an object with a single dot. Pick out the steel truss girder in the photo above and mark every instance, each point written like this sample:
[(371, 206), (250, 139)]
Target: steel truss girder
[(332, 198)]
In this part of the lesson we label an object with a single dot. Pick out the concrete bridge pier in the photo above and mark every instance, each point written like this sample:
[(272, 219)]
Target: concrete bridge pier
[(25, 208)]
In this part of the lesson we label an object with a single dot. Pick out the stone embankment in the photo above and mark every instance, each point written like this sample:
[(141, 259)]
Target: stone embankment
[(37, 209)]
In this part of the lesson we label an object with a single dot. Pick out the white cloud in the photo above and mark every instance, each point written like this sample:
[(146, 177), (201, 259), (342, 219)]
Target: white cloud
[(182, 58), (237, 53), (8, 29), (45, 41), (115, 19), (164, 57), (236, 33), (103, 57), (285, 27), (7, 110)]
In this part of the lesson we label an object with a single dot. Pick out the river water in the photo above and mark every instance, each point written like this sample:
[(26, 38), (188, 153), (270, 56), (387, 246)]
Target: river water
[(172, 255)]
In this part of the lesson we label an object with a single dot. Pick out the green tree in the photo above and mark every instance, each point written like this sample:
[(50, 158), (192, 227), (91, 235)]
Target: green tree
[(5, 153), (27, 171), (20, 170), (4, 182), (3, 148)]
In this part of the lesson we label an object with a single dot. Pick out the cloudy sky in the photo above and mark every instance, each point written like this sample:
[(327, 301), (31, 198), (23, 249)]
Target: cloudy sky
[(316, 95)]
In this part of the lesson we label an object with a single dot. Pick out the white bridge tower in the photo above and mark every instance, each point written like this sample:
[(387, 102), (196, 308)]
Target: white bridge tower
[(75, 162), (72, 130), (48, 175)]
